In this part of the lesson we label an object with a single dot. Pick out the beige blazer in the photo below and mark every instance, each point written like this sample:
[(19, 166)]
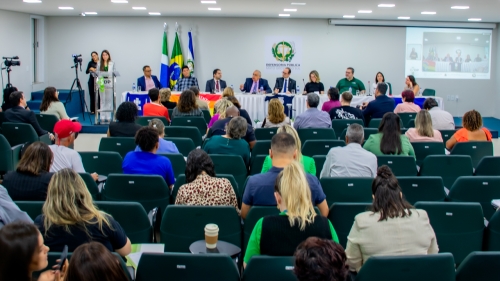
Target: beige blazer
[(411, 235)]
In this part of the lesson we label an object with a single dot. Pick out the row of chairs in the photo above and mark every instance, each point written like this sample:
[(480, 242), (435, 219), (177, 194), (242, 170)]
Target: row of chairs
[(459, 226)]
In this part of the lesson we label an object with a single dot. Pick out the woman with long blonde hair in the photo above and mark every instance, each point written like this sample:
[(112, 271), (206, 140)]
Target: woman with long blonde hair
[(279, 235), (275, 115), (306, 161), (423, 129), (69, 217), (314, 85), (220, 109)]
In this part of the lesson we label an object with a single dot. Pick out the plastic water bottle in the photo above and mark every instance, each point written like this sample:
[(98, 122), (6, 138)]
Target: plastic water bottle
[(133, 87), (350, 90), (232, 86), (175, 88), (261, 90), (298, 90)]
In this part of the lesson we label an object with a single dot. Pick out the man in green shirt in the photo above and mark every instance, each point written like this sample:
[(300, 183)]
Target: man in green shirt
[(350, 82)]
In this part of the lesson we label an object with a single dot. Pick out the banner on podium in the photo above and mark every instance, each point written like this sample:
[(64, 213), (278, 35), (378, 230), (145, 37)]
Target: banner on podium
[(283, 51)]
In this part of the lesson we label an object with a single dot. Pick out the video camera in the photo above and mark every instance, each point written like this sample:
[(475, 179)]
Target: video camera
[(11, 61), (77, 58)]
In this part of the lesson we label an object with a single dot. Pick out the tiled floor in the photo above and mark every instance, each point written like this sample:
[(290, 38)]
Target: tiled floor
[(90, 142)]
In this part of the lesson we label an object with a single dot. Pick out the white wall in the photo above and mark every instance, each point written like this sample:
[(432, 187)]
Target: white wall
[(236, 45)]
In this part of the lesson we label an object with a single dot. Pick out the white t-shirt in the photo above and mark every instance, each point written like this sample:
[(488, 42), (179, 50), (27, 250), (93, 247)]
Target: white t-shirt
[(66, 158)]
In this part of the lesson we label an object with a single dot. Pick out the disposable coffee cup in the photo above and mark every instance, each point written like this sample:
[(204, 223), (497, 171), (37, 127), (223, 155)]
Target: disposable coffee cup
[(211, 235)]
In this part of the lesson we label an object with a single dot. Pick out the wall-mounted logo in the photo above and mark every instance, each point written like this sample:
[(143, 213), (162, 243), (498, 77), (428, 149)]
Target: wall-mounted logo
[(284, 51)]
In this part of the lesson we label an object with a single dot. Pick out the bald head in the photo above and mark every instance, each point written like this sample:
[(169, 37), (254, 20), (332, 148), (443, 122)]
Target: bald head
[(256, 75), (232, 111)]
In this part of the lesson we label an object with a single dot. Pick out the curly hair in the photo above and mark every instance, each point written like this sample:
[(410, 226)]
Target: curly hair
[(49, 96), (146, 138), (276, 111), (197, 162), (319, 259), (235, 101), (165, 94), (472, 120), (127, 112), (237, 128), (187, 101)]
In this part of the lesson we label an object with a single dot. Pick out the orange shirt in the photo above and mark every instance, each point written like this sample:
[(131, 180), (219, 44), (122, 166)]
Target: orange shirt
[(463, 136), (154, 109)]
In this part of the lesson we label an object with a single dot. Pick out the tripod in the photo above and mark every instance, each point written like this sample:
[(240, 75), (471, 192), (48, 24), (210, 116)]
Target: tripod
[(8, 78), (83, 104)]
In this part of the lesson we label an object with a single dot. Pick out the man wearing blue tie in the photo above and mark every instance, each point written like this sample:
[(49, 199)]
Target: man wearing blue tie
[(253, 85), (285, 84)]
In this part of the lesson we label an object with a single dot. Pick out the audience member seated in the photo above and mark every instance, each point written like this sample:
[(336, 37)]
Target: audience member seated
[(165, 145), (187, 106), (243, 112), (202, 188), (52, 105), (92, 261), (69, 217), (201, 103), (333, 100), (31, 178), (18, 114), (9, 211), (380, 106), (351, 160), (125, 125), (392, 227), (346, 111), (146, 161), (65, 157), (275, 115), (165, 95), (472, 130), (389, 140), (219, 127), (259, 188), (228, 92), (441, 120), (220, 109), (306, 161), (6, 97), (407, 105), (23, 252), (320, 259), (423, 129), (279, 235), (312, 117), (155, 107), (232, 142)]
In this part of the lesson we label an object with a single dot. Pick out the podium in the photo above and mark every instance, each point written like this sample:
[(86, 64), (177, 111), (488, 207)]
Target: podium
[(105, 84)]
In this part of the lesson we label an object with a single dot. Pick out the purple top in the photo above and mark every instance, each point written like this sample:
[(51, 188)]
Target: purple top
[(330, 104), (214, 119)]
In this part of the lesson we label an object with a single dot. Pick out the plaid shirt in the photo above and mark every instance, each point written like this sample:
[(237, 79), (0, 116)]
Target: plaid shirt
[(186, 83)]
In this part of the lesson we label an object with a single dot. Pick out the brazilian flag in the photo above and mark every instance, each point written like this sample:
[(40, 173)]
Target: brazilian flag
[(176, 62)]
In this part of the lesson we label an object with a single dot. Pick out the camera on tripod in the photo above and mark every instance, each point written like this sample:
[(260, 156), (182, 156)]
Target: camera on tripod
[(12, 61), (77, 58)]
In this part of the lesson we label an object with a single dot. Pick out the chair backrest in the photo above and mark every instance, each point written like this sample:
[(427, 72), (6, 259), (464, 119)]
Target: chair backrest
[(122, 145), (479, 266), (186, 267), (475, 149), (191, 121), (144, 120), (270, 269), (47, 121), (184, 132), (254, 215), (423, 149), (133, 219), (410, 124), (316, 134), (206, 115), (400, 165), (375, 123), (480, 189), (181, 179), (492, 233), (407, 116), (6, 156), (183, 225), (339, 125), (351, 190), (170, 112), (32, 208), (91, 185), (319, 161), (265, 133), (488, 166), (102, 162), (429, 93), (447, 134), (184, 145), (178, 162), (458, 226), (422, 189), (448, 167), (149, 190), (230, 164), (320, 147), (257, 163), (439, 267), (342, 216), (261, 147), (19, 133)]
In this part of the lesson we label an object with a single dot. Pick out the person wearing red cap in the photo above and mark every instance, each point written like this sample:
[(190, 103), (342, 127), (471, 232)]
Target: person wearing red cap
[(65, 157)]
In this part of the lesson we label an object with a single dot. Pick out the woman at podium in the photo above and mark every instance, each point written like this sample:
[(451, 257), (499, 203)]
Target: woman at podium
[(106, 94), (92, 67)]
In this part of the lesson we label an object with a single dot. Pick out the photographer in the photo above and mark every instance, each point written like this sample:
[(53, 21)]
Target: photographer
[(92, 67)]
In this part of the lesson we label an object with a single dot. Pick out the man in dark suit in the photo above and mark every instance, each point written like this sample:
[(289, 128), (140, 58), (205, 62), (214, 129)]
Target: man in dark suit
[(380, 106), (253, 85), (216, 85), (148, 81), (285, 84), (18, 114)]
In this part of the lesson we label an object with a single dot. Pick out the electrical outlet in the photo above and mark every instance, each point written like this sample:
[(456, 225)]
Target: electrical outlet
[(456, 98)]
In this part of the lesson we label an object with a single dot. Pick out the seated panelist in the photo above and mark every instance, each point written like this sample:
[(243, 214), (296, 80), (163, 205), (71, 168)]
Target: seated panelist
[(216, 85), (285, 84), (148, 81), (253, 85)]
